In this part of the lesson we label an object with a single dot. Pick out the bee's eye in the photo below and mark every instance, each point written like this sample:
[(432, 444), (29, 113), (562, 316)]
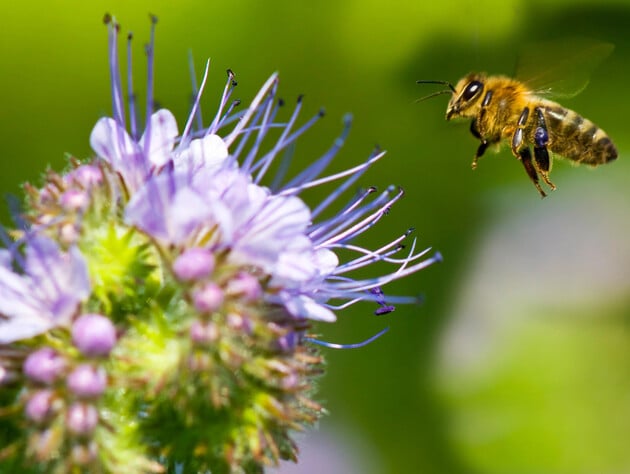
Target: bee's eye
[(472, 90)]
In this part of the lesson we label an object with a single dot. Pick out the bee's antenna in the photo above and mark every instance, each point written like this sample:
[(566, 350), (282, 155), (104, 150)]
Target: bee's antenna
[(446, 91), (444, 83)]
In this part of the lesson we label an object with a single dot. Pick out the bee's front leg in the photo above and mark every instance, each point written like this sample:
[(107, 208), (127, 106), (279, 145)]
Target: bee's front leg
[(482, 146), (475, 129), (541, 154)]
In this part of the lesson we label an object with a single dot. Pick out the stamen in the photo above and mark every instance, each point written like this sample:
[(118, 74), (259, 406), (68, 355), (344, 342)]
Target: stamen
[(344, 186), (131, 96), (360, 226), (283, 168), (380, 299), (227, 91), (314, 170), (364, 285), (273, 79), (332, 345), (228, 114), (268, 113), (185, 139), (332, 177), (352, 211), (114, 70), (150, 52), (195, 90), (267, 159)]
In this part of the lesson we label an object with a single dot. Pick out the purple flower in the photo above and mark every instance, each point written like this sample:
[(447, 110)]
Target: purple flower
[(45, 294)]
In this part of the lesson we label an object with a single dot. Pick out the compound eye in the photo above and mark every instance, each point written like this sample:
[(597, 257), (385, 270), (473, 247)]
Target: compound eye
[(472, 90)]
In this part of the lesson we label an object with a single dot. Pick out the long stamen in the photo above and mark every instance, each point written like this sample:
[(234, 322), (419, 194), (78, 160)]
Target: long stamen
[(251, 110), (266, 160), (332, 197), (360, 226), (193, 113), (114, 69), (227, 91), (314, 170), (131, 96), (150, 52), (265, 117), (364, 285), (332, 345), (195, 90)]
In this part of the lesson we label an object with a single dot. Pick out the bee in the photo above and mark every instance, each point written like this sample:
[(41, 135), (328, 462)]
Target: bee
[(503, 109)]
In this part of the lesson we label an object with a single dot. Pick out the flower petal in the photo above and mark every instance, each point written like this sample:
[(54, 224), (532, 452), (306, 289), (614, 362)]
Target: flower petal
[(159, 137), (208, 152), (302, 306)]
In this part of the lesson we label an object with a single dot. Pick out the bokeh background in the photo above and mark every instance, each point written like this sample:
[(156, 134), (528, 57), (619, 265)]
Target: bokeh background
[(518, 361)]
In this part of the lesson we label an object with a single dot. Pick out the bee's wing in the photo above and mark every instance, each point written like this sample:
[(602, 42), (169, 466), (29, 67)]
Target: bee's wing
[(561, 68)]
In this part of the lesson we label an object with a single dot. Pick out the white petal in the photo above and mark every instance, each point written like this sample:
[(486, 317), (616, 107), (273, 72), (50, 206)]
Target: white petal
[(112, 142), (305, 307), (208, 152), (161, 135), (327, 261), (188, 212), (24, 327)]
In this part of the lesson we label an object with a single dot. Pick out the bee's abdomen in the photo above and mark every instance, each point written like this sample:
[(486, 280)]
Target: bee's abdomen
[(576, 138)]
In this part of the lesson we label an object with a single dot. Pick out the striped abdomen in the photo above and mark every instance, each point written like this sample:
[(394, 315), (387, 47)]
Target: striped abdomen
[(576, 138)]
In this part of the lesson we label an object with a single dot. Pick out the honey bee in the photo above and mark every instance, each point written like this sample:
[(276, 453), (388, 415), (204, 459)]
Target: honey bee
[(503, 109)]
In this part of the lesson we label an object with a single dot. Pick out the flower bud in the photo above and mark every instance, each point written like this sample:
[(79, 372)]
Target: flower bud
[(81, 418), (208, 298), (87, 381), (44, 365), (193, 264), (94, 335), (39, 406)]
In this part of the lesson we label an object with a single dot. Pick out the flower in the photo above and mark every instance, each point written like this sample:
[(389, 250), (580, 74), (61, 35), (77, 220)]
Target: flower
[(46, 294), (169, 286)]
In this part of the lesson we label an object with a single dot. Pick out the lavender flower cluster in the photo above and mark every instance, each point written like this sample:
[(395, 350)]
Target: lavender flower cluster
[(156, 300)]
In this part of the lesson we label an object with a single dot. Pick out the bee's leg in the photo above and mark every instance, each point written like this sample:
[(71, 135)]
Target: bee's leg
[(482, 146), (541, 154), (525, 155), (517, 137), (474, 129)]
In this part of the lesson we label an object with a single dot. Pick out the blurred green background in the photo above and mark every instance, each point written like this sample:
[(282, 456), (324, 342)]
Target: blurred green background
[(519, 359)]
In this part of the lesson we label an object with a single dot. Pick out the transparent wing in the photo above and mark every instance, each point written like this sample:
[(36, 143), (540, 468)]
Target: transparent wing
[(561, 68)]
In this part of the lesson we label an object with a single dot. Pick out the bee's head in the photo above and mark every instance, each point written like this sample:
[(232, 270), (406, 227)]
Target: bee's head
[(466, 99), (466, 95)]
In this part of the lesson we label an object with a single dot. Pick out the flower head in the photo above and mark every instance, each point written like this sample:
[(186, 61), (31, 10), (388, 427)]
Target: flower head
[(169, 286)]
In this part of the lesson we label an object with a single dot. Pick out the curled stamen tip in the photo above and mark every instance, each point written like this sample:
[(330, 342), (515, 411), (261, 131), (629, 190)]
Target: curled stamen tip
[(437, 257), (107, 18), (321, 112), (236, 103), (347, 120), (153, 18), (300, 97), (280, 102), (129, 36), (410, 231), (230, 73)]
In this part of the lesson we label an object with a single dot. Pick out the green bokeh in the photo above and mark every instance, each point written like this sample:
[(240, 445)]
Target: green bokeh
[(364, 57)]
